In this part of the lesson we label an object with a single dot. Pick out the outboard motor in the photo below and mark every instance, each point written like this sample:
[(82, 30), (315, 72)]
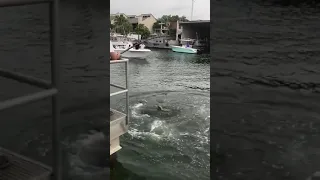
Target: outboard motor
[(137, 46)]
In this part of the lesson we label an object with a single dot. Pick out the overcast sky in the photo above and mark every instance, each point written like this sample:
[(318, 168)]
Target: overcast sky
[(162, 7)]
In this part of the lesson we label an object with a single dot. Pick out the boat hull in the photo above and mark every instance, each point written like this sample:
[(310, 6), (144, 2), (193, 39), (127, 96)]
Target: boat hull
[(184, 50), (133, 53)]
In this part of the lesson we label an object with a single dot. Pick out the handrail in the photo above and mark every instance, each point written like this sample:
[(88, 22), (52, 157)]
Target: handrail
[(52, 88), (117, 86), (10, 3), (119, 61), (25, 79), (123, 89), (27, 99)]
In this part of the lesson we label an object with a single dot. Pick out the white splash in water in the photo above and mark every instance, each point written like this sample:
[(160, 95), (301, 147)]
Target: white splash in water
[(78, 168), (138, 105), (135, 111), (204, 111), (158, 130)]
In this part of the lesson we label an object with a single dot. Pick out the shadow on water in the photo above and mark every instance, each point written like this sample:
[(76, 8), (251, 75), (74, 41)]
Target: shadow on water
[(120, 172), (139, 61)]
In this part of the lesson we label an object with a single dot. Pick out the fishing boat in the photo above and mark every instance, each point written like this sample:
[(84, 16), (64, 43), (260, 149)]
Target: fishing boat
[(139, 51), (184, 49), (122, 43), (156, 41)]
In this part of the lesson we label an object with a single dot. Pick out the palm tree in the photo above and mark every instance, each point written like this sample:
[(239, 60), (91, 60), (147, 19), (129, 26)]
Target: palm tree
[(122, 25), (143, 31), (183, 19)]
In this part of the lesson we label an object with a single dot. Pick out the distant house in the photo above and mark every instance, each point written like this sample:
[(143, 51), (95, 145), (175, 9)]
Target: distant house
[(169, 28), (112, 16), (146, 19)]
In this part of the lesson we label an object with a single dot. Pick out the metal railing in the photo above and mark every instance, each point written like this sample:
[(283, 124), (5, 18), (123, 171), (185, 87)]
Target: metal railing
[(123, 89), (51, 88)]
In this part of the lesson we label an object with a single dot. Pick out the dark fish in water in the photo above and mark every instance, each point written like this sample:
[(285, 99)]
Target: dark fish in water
[(160, 108), (159, 111), (143, 101)]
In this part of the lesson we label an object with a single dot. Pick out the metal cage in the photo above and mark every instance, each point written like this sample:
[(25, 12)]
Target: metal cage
[(119, 121)]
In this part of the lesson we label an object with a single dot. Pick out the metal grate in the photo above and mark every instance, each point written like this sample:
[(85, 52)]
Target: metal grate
[(119, 121), (122, 89), (23, 168)]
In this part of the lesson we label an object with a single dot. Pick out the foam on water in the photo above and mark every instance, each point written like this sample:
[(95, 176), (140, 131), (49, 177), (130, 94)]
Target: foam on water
[(168, 128), (145, 126), (157, 130), (83, 163), (135, 108)]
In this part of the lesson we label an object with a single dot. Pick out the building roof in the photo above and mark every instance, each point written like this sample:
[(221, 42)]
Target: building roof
[(118, 14), (148, 14), (195, 22), (132, 16)]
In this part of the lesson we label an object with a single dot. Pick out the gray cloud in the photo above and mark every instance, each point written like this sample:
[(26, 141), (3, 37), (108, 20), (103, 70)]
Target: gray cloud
[(162, 7)]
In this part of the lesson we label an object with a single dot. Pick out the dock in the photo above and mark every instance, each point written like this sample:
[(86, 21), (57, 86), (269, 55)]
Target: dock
[(199, 30), (23, 168), (192, 29), (119, 121)]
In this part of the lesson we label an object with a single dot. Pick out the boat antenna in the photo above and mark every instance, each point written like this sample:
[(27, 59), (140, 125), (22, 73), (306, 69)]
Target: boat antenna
[(192, 2)]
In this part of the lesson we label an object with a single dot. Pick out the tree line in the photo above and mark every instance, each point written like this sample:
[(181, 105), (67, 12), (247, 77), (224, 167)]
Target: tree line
[(123, 26)]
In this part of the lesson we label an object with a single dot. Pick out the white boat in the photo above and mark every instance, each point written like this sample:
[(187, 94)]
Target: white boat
[(136, 52)]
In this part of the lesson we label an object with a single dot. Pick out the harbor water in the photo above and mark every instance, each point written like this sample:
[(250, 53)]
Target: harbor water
[(264, 91), (173, 144)]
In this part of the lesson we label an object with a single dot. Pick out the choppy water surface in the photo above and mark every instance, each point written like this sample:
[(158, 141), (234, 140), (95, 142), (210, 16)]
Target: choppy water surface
[(265, 91), (170, 144)]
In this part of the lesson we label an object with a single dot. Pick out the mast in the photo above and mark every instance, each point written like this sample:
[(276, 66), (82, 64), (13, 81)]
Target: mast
[(192, 2)]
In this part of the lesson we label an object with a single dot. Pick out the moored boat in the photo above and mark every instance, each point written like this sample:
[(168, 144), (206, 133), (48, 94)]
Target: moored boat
[(138, 51), (184, 49)]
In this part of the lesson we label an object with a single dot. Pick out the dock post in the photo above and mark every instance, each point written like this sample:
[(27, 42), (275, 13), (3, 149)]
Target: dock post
[(113, 160), (55, 78)]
